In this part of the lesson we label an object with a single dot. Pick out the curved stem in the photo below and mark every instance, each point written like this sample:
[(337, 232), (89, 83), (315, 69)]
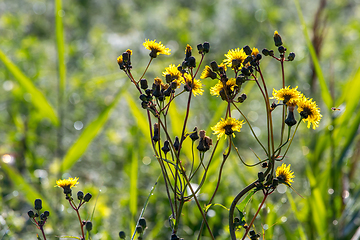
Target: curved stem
[(233, 205)]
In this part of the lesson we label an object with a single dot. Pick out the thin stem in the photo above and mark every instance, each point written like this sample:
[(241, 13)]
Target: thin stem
[(257, 212), (42, 231), (146, 69)]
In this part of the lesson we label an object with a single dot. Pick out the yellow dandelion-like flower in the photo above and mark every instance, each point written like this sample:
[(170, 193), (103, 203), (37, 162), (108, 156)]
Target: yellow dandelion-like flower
[(156, 48), (208, 72), (236, 56), (309, 111), (174, 73), (284, 174), (227, 127), (188, 49), (120, 60), (255, 51), (289, 96), (67, 184), (230, 85), (195, 85)]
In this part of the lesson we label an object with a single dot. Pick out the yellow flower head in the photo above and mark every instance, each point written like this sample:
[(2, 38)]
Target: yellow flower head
[(227, 127), (230, 86), (188, 49), (309, 111), (284, 174), (255, 51), (156, 48), (67, 184), (289, 96), (236, 57), (208, 72), (195, 85), (174, 73), (120, 60)]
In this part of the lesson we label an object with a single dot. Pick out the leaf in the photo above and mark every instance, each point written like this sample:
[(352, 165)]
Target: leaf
[(60, 45), (246, 200), (325, 93), (88, 135), (138, 115), (38, 99), (214, 204)]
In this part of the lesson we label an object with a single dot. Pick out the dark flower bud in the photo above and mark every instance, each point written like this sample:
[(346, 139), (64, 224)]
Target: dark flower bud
[(153, 53), (168, 91), (143, 97), (88, 226), (266, 52), (122, 235), (240, 80), (271, 52), (80, 195), (206, 47), (187, 88), (247, 59), (87, 197), (247, 50), (264, 165), (192, 61), (143, 83), (290, 120), (168, 78), (245, 71), (166, 147), (291, 56), (252, 233), (236, 220), (273, 105), (277, 39), (144, 105), (275, 182), (174, 237), (31, 214), (176, 143), (156, 136), (148, 92), (200, 48), (235, 63), (46, 213), (142, 223), (194, 136), (42, 216), (304, 114), (281, 49), (258, 56), (156, 91), (38, 204), (126, 56), (173, 85), (139, 229), (261, 176), (214, 66), (242, 98)]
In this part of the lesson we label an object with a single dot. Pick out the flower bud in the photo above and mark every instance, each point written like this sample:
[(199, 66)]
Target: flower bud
[(46, 213), (261, 176), (166, 147), (31, 214), (192, 61), (206, 47), (176, 143), (266, 52), (214, 66), (80, 195), (143, 83), (142, 223), (281, 49), (87, 197), (277, 39), (38, 204), (200, 48), (168, 78), (194, 136), (242, 98), (291, 56), (88, 226), (122, 235), (156, 136), (247, 50), (139, 229), (290, 120)]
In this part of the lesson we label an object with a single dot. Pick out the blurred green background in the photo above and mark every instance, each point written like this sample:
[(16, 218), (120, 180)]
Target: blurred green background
[(67, 110)]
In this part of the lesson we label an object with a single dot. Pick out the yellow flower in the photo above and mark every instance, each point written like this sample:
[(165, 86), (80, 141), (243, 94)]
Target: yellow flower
[(255, 51), (196, 86), (174, 73), (120, 60), (208, 73), (227, 127), (230, 86), (309, 111), (156, 48), (236, 57), (284, 174), (188, 49), (289, 96), (67, 184)]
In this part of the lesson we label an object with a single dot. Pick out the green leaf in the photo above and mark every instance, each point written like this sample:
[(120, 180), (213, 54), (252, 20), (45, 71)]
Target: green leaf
[(88, 135), (38, 99), (60, 45), (325, 93), (30, 193)]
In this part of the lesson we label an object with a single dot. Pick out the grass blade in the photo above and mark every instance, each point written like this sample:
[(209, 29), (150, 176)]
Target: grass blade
[(60, 46), (38, 99), (88, 135), (325, 93)]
